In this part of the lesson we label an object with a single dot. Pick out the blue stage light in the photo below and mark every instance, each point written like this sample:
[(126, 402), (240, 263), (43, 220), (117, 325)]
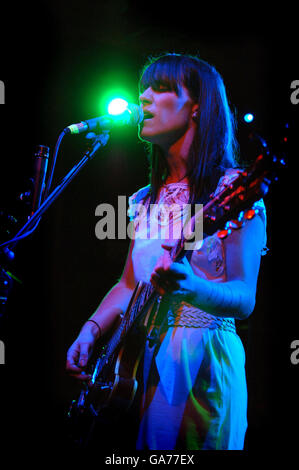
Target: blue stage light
[(248, 117)]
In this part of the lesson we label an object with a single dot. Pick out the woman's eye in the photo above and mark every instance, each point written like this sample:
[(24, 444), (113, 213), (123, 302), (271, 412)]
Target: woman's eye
[(162, 87)]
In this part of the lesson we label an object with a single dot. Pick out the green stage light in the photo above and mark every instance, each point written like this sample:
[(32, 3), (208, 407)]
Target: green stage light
[(117, 106)]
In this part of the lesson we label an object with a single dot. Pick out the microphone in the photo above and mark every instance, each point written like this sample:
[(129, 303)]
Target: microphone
[(40, 169), (132, 116)]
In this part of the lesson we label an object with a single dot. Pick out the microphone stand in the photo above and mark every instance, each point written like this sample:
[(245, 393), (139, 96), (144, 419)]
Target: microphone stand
[(97, 142)]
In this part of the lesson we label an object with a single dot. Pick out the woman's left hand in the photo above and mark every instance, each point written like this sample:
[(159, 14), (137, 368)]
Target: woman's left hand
[(173, 278)]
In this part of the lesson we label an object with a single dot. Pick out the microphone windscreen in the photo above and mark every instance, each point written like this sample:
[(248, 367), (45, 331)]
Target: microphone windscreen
[(136, 114)]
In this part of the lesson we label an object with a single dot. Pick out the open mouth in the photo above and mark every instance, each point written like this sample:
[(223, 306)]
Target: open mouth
[(147, 115)]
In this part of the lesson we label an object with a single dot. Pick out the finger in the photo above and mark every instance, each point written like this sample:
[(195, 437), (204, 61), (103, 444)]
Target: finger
[(84, 354), (72, 367), (179, 270), (156, 283), (83, 360), (81, 377), (186, 262), (160, 279), (173, 273), (164, 285), (72, 359)]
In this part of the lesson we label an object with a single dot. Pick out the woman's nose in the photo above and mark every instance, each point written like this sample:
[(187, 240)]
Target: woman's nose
[(146, 97)]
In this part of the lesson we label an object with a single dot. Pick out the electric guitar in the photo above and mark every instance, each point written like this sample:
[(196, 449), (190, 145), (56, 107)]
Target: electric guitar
[(113, 381)]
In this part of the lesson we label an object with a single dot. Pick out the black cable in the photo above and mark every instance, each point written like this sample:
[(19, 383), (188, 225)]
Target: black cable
[(55, 153)]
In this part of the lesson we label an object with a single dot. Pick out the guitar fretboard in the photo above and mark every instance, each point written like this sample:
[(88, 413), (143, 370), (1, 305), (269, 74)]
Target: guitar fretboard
[(143, 294)]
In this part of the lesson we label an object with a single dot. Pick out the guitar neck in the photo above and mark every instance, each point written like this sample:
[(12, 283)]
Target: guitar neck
[(143, 294)]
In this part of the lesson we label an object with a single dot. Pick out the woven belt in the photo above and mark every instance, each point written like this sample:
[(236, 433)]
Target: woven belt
[(187, 315)]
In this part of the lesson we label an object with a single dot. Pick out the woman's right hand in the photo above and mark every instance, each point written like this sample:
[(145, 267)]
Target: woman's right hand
[(80, 352)]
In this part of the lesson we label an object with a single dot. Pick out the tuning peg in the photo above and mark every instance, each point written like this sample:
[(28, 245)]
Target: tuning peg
[(236, 224), (222, 234), (225, 232), (248, 215)]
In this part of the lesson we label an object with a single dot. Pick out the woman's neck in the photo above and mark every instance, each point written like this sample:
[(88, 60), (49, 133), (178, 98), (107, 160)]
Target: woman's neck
[(176, 156), (177, 174)]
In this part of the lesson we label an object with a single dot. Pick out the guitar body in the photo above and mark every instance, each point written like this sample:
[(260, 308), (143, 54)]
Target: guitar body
[(116, 385), (112, 389)]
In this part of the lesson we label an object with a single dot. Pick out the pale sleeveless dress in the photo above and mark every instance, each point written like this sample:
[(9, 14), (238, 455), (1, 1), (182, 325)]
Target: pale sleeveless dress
[(195, 385)]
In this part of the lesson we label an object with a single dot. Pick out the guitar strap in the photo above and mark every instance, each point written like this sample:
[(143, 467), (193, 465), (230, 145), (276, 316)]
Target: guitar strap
[(158, 329)]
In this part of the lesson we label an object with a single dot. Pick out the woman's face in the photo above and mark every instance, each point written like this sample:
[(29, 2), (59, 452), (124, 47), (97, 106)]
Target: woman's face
[(167, 116)]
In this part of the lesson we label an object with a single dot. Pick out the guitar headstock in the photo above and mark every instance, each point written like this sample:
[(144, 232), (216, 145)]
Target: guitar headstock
[(234, 202), (229, 208)]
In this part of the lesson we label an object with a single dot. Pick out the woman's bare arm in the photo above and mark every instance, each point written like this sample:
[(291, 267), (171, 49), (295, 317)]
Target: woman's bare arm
[(112, 306)]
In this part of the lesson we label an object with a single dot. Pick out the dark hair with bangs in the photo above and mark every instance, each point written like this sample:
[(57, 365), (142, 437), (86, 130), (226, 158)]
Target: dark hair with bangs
[(214, 148)]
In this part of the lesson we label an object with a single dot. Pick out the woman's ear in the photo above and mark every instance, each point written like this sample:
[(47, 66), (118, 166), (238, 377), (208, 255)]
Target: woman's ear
[(195, 108)]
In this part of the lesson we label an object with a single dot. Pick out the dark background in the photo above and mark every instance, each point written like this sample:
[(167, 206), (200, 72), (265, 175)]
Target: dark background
[(57, 60)]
